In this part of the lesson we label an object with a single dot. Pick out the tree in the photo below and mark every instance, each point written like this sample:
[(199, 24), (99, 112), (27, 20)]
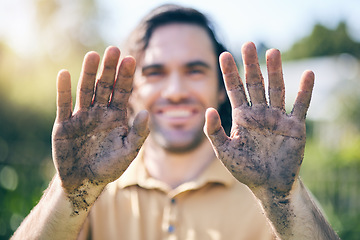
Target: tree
[(324, 42)]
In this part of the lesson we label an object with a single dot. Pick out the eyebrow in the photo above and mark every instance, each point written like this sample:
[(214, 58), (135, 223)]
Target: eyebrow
[(196, 63)]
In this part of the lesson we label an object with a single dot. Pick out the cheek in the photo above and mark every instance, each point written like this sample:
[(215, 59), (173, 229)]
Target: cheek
[(209, 94), (143, 97)]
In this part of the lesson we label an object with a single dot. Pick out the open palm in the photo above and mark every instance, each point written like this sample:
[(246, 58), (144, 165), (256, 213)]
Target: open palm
[(93, 143), (266, 146)]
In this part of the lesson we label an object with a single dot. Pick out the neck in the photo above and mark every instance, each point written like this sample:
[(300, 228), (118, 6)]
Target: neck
[(175, 169)]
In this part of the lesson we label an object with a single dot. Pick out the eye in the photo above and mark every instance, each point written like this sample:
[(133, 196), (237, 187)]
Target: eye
[(152, 73), (195, 71), (152, 70)]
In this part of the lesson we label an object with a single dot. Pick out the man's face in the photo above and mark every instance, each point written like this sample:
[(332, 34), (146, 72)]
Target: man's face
[(176, 81)]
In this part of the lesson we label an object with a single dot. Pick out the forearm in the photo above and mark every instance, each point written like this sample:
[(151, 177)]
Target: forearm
[(295, 216), (55, 217)]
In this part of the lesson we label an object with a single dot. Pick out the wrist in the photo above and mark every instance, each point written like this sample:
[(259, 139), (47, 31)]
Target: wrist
[(83, 196), (279, 207)]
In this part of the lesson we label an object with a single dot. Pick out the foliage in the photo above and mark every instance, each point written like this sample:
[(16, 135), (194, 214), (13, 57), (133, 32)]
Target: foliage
[(332, 175), (324, 42), (332, 165), (27, 103), (349, 99), (25, 129), (24, 156)]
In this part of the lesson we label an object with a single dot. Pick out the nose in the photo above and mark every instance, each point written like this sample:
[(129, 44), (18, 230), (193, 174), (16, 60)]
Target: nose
[(175, 89)]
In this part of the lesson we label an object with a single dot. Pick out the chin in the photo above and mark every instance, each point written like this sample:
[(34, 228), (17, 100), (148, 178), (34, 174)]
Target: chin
[(179, 149), (179, 144)]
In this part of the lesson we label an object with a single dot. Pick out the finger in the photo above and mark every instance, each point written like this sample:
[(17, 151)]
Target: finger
[(64, 100), (85, 88), (104, 85), (253, 76), (303, 97), (139, 130), (123, 85), (213, 129), (276, 81), (233, 83)]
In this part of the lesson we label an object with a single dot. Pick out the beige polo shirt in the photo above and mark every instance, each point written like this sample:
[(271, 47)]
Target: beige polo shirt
[(214, 206)]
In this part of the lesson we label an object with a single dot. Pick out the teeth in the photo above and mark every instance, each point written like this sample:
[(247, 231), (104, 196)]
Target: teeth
[(177, 113)]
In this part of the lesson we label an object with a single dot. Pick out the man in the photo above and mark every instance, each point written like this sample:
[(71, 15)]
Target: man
[(176, 188)]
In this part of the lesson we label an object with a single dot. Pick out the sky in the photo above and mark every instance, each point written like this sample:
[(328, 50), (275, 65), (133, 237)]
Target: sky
[(278, 23)]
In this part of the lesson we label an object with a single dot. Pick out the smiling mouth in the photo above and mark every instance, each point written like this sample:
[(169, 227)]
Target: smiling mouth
[(177, 113), (177, 116)]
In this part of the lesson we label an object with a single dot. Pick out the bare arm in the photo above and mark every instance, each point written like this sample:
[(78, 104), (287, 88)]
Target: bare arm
[(52, 217), (92, 145), (266, 146)]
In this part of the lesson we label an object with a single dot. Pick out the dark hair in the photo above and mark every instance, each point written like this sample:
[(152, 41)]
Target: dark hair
[(170, 13)]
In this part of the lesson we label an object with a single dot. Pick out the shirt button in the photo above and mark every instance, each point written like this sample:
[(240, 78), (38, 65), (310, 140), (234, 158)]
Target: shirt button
[(173, 200), (171, 229)]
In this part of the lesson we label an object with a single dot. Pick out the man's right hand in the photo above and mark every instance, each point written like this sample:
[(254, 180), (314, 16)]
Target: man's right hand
[(93, 146)]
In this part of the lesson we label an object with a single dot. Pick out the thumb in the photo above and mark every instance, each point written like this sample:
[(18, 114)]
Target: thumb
[(213, 129), (140, 129)]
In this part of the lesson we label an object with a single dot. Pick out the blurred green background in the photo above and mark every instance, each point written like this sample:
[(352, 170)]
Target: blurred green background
[(63, 31)]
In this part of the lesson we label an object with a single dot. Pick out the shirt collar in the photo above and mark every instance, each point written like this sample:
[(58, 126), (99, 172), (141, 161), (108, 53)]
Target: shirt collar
[(136, 174)]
